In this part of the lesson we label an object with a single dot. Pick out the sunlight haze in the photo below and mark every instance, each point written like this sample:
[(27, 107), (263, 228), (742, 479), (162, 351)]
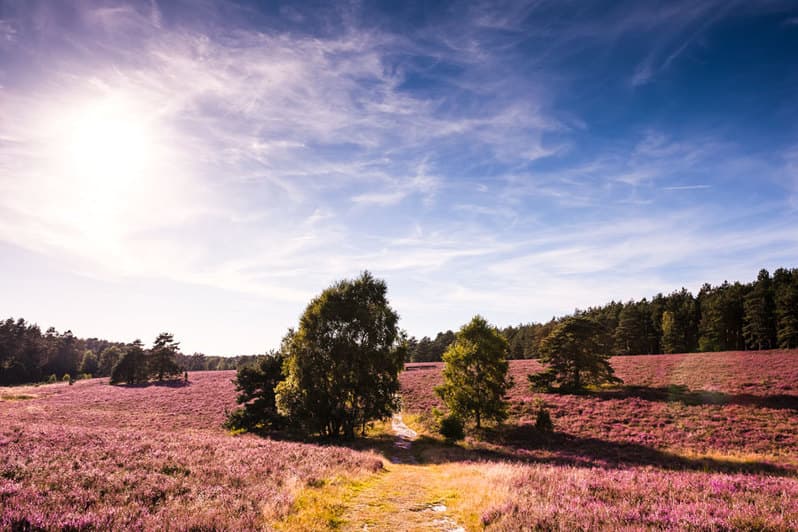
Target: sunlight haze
[(206, 168)]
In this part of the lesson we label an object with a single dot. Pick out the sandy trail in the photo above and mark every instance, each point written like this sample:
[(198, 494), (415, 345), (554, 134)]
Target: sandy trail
[(403, 499)]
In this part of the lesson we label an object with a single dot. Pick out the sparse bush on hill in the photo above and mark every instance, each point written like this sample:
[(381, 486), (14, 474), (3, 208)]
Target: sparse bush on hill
[(452, 428), (576, 356), (475, 374), (343, 362)]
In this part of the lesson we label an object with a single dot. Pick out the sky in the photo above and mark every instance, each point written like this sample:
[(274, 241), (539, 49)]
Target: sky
[(206, 168)]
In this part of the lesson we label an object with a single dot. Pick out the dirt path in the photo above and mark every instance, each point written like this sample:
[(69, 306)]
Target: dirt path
[(407, 497)]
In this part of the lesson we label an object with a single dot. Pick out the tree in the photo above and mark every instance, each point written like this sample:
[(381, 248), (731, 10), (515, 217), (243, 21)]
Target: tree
[(475, 380), (162, 359), (132, 367), (680, 323), (635, 334), (760, 318), (255, 383), (786, 288), (89, 363), (108, 359), (342, 364), (576, 356)]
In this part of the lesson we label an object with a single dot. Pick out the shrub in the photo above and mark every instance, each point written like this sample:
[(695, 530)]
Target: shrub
[(52, 379), (452, 428), (66, 378), (543, 418)]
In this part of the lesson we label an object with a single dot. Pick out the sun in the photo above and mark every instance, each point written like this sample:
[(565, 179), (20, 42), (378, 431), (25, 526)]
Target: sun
[(108, 155), (108, 142)]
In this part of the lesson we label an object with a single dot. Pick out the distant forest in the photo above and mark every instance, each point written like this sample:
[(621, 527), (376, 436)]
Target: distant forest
[(762, 314), (28, 355)]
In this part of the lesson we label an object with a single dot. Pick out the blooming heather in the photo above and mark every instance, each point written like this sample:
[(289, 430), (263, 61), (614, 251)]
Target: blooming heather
[(94, 456)]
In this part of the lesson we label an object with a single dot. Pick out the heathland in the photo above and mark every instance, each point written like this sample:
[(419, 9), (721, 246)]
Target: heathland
[(692, 441)]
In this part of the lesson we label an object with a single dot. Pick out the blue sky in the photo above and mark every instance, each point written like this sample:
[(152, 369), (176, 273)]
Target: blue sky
[(207, 167)]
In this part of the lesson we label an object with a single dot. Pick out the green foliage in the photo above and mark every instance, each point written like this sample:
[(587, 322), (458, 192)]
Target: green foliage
[(475, 375), (89, 363), (576, 354), (162, 359), (760, 316), (52, 379), (255, 383), (786, 288), (342, 364), (108, 359), (452, 428), (635, 333), (132, 367), (680, 323), (542, 381), (722, 315), (66, 378), (543, 421)]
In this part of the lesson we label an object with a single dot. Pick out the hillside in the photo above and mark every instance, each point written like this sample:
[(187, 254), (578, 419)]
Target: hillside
[(703, 441)]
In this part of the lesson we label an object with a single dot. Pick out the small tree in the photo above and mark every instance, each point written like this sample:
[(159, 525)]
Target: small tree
[(576, 357), (89, 362), (162, 359), (255, 383), (108, 359), (475, 374), (132, 367), (343, 362)]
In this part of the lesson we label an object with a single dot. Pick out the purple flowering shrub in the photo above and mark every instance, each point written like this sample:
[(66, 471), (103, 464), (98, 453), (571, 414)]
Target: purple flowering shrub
[(98, 457), (691, 441)]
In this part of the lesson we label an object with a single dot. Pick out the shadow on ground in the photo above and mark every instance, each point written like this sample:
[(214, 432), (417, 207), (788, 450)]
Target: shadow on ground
[(682, 394), (525, 444)]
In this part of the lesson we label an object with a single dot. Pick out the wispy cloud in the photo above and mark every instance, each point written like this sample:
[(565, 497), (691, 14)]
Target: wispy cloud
[(462, 154)]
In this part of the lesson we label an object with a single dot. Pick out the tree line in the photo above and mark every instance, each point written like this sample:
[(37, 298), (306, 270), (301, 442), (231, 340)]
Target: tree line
[(762, 314), (28, 355)]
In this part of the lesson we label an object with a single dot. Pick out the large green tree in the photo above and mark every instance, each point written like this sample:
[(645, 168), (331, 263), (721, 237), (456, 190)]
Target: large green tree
[(342, 363), (132, 367), (635, 333), (163, 356), (576, 355), (475, 380), (760, 314), (786, 287)]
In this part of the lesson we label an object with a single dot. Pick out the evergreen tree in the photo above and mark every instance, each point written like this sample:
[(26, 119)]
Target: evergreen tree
[(576, 355), (132, 367), (635, 333), (255, 383), (89, 363), (680, 319), (786, 286), (475, 380), (163, 357), (760, 317)]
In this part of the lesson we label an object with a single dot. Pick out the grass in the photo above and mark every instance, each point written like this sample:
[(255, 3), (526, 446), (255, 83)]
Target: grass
[(16, 397)]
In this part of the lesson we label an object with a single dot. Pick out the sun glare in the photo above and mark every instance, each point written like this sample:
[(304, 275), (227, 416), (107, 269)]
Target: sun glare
[(108, 142), (107, 153)]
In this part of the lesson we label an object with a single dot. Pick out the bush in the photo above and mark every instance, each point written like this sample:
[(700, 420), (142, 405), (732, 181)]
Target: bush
[(542, 381), (452, 428), (543, 419), (52, 379), (66, 378)]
